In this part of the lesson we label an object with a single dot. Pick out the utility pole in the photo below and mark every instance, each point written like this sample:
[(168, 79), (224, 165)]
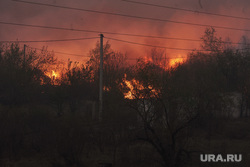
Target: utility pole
[(165, 61), (24, 56), (101, 78)]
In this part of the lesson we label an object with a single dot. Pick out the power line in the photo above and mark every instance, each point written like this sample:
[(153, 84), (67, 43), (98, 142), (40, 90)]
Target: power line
[(129, 43), (58, 52), (132, 16), (52, 40), (96, 31), (163, 47), (155, 46), (90, 56), (187, 10), (47, 27)]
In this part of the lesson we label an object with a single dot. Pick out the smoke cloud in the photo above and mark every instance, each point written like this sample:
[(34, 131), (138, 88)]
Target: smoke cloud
[(11, 11)]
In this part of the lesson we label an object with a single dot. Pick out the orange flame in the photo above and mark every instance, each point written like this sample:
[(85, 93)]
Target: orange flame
[(172, 63), (176, 61), (54, 76), (134, 85)]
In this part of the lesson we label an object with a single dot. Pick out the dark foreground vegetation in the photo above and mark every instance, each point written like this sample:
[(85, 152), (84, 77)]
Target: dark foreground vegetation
[(173, 115)]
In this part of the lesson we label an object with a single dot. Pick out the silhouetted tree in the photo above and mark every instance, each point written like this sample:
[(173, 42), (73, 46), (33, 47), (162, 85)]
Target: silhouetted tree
[(21, 78)]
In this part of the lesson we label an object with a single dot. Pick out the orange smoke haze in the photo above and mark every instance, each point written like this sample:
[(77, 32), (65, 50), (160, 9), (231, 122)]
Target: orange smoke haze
[(40, 15)]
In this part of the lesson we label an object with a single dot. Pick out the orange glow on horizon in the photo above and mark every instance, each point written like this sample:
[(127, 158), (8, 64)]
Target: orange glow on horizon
[(166, 65)]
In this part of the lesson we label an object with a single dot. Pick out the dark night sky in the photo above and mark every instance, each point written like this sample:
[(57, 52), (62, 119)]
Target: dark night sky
[(17, 12)]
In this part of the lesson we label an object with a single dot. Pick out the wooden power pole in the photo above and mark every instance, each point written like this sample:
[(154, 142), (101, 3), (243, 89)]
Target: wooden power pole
[(24, 55), (101, 78)]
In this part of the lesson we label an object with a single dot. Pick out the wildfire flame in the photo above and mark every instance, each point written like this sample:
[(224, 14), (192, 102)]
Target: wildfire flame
[(54, 76), (135, 85), (174, 62), (132, 85)]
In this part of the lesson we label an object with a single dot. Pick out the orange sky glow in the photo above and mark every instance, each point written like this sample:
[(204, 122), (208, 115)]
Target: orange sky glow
[(48, 16)]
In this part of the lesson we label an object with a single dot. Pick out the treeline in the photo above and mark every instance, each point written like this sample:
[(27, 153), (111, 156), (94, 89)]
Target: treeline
[(46, 121)]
